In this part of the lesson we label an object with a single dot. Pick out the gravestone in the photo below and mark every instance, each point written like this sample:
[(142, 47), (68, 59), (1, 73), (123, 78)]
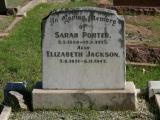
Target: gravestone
[(3, 9), (6, 11), (84, 61), (85, 51)]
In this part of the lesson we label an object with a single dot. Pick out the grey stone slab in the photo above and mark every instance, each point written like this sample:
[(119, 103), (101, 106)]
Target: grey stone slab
[(5, 113), (83, 99), (83, 48), (154, 88), (157, 98), (16, 100)]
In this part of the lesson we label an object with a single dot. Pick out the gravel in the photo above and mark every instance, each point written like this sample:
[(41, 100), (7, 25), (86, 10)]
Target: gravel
[(142, 113)]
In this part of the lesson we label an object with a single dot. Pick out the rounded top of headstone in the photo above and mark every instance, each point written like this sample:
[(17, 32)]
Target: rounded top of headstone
[(92, 9)]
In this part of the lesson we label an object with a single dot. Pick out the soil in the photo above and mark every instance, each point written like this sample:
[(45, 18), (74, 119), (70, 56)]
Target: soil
[(142, 30), (103, 2), (134, 32), (143, 54), (142, 39)]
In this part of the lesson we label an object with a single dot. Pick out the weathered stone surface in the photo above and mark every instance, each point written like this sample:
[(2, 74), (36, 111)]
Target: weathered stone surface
[(6, 111), (84, 61), (93, 99), (154, 88), (17, 99), (83, 49), (157, 98)]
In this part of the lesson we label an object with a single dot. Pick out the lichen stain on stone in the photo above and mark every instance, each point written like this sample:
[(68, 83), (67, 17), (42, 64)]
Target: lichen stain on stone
[(83, 101), (121, 32), (43, 24), (121, 43), (127, 104), (91, 15), (105, 107)]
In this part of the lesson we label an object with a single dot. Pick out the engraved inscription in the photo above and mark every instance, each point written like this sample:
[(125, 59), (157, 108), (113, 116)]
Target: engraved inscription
[(83, 40)]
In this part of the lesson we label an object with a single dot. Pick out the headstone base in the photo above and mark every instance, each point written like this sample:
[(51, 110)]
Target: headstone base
[(86, 99)]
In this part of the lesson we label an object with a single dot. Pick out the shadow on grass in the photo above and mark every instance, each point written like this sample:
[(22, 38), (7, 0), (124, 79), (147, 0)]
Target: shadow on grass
[(28, 100), (28, 95)]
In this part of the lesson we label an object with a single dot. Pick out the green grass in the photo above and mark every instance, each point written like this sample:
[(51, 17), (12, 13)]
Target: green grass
[(20, 52), (141, 78), (153, 24)]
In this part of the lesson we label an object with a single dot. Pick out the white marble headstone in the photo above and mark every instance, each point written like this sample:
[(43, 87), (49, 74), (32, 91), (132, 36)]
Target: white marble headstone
[(83, 48)]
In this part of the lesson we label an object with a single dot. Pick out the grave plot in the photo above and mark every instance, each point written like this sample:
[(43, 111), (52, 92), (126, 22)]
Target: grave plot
[(10, 7), (5, 10), (142, 29), (143, 40), (80, 46), (8, 14), (20, 58), (16, 3), (142, 113), (131, 6), (5, 22)]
